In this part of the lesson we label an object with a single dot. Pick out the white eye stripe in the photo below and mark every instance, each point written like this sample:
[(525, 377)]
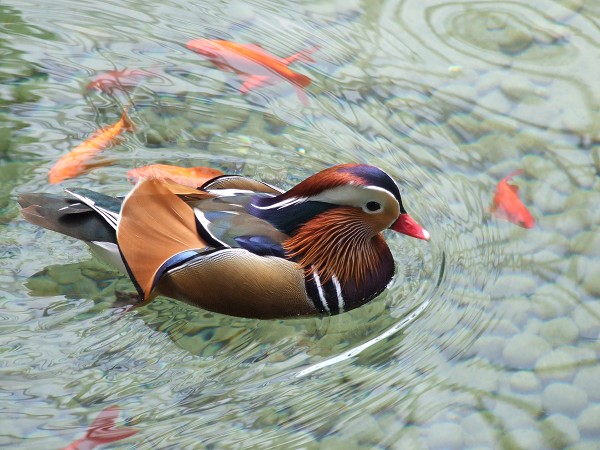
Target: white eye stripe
[(283, 203), (350, 195), (354, 195)]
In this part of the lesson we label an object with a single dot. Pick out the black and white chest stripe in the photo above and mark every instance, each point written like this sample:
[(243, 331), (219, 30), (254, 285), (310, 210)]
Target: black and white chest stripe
[(328, 298)]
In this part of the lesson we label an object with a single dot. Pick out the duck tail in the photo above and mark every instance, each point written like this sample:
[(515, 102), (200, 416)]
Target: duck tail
[(66, 216)]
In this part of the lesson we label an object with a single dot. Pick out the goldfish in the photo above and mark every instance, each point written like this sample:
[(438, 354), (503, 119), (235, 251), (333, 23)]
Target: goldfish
[(254, 64), (80, 158), (507, 205), (102, 431), (117, 79), (187, 176)]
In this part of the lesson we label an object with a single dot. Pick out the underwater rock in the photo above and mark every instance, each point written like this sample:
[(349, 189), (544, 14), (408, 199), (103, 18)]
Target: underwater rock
[(588, 379), (514, 40), (455, 98), (556, 366), (516, 413), (335, 442), (478, 432), (517, 87), (560, 331), (570, 221), (548, 200), (488, 347), (589, 422), (444, 435), (587, 318), (525, 382), (523, 350), (559, 431), (522, 438), (564, 398), (586, 243), (503, 125), (548, 302), (512, 285)]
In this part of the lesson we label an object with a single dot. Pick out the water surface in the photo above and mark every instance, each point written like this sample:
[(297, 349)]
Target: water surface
[(488, 336)]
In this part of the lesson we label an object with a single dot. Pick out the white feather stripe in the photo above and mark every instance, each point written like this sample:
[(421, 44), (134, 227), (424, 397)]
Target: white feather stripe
[(111, 217), (283, 203), (206, 225), (320, 291), (338, 291)]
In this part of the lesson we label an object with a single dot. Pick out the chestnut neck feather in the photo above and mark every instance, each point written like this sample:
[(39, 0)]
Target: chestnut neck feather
[(339, 242)]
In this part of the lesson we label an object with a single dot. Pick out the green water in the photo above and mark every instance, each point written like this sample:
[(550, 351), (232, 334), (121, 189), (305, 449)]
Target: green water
[(489, 335)]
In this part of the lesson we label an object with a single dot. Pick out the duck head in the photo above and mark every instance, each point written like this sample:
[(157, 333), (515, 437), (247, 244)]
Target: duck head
[(335, 219), (356, 190)]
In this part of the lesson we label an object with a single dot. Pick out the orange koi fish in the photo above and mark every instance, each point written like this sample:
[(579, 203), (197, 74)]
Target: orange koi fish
[(78, 160), (507, 205), (254, 64), (187, 176), (117, 80), (102, 431)]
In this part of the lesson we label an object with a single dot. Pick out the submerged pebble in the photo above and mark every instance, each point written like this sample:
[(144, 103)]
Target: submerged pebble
[(336, 442), (524, 349), (515, 414), (444, 435), (587, 318), (588, 379), (548, 200), (548, 302), (513, 285), (559, 431), (586, 243), (515, 39), (489, 347), (524, 381), (523, 438), (478, 431), (589, 422), (564, 398), (517, 87), (560, 331), (557, 365)]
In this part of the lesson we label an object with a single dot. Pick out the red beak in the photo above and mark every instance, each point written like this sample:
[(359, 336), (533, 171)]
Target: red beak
[(407, 225)]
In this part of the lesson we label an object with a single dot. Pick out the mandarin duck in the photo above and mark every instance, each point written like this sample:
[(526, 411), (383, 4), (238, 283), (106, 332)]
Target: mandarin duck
[(242, 247)]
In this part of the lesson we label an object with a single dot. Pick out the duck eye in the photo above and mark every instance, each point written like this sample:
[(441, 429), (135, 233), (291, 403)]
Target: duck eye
[(373, 206)]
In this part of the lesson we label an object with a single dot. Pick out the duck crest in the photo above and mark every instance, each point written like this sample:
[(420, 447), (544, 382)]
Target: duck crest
[(330, 178)]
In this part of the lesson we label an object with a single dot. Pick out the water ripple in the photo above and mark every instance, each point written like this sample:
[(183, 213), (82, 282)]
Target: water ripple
[(429, 91)]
